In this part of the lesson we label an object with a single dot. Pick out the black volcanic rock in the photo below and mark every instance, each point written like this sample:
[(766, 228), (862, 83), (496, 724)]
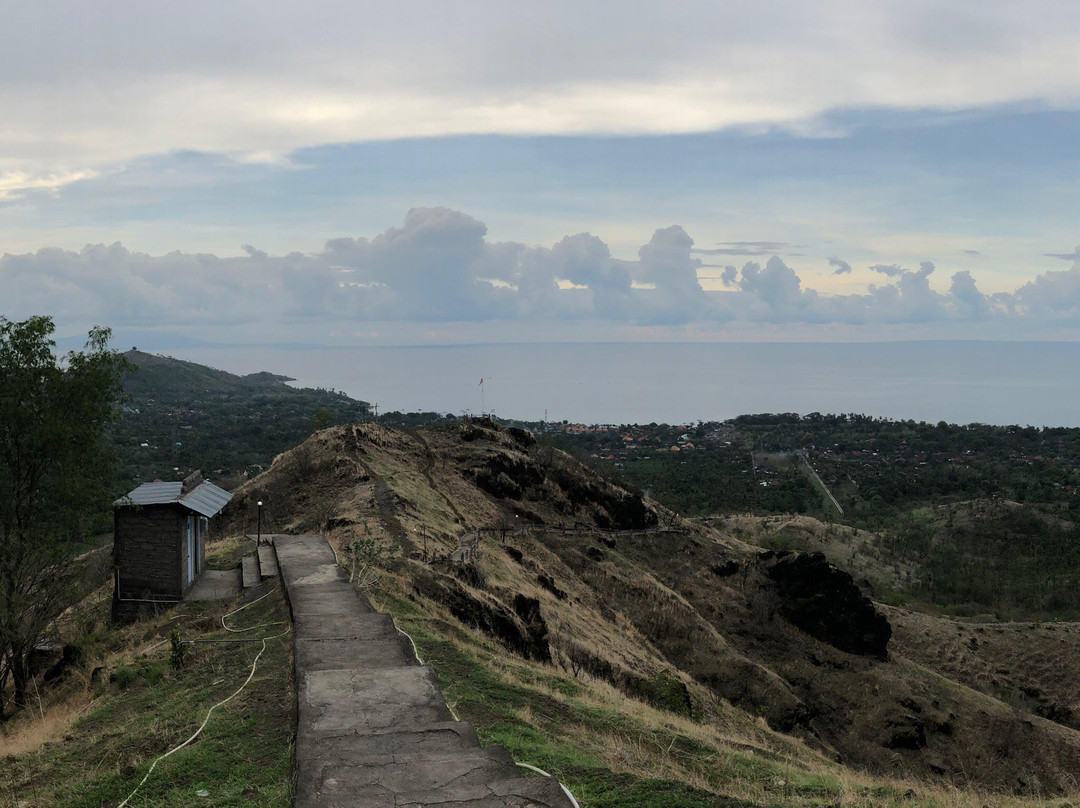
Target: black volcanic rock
[(825, 603)]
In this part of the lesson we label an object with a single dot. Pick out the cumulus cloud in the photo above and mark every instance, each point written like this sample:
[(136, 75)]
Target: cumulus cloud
[(440, 266), (776, 285), (665, 263), (968, 297), (1052, 295)]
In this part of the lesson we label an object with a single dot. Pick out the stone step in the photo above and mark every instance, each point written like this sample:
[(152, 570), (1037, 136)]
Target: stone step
[(329, 599), (302, 552), (357, 626), (440, 738), (373, 728), (334, 653), (340, 790), (459, 775), (249, 566), (344, 702), (267, 563)]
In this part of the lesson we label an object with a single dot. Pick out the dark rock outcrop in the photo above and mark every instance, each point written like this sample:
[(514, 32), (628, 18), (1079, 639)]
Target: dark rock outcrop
[(825, 603), (522, 629)]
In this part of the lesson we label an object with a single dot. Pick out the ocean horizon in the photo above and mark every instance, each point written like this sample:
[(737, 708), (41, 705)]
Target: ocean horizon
[(1025, 383)]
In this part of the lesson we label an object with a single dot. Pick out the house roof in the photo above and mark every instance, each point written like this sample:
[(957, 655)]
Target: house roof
[(205, 499)]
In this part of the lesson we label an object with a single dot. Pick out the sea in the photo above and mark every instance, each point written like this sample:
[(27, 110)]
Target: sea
[(1025, 383)]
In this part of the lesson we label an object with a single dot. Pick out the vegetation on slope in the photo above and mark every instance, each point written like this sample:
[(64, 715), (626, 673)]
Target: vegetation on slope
[(127, 700), (975, 518), (53, 467), (690, 621), (181, 416)]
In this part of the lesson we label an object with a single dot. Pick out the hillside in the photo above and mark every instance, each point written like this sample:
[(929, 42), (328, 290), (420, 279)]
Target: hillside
[(180, 416), (738, 657), (960, 518)]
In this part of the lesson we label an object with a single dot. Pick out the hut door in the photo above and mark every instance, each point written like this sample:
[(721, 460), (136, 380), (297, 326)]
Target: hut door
[(190, 549)]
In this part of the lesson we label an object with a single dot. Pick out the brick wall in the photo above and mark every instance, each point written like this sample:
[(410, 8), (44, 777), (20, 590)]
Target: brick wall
[(150, 550)]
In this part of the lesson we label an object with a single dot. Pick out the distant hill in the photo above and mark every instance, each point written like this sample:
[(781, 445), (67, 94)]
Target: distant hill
[(182, 415)]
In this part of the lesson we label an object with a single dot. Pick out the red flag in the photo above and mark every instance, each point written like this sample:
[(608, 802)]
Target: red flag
[(481, 381)]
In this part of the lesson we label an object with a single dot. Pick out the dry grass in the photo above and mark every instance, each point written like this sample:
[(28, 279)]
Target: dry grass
[(654, 605), (32, 729), (722, 750)]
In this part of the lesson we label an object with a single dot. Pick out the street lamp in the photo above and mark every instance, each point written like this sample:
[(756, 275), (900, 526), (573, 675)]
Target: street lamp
[(258, 540)]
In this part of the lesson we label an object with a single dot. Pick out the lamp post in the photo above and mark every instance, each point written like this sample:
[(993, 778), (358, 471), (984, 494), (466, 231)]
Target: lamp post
[(258, 540)]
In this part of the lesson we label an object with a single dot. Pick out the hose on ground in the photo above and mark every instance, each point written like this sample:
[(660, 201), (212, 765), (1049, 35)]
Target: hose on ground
[(195, 735), (224, 701)]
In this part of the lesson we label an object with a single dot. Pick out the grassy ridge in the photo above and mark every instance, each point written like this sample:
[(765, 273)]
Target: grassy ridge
[(611, 751)]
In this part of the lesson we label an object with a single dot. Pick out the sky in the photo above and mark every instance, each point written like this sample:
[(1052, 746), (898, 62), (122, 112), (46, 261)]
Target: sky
[(355, 173)]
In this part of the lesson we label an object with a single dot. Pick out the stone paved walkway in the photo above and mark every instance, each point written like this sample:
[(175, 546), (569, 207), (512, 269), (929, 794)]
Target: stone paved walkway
[(373, 728)]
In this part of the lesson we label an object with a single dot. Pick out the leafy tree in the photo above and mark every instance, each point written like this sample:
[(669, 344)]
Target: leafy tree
[(52, 470), (324, 416)]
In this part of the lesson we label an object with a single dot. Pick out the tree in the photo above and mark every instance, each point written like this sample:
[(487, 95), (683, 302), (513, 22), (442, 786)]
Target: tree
[(53, 467), (324, 416)]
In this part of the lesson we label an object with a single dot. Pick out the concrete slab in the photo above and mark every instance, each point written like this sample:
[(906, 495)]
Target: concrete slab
[(435, 739), (250, 571), (461, 775), (267, 563), (368, 626), (373, 728), (331, 598), (303, 556), (344, 702), (335, 654), (216, 585), (518, 792)]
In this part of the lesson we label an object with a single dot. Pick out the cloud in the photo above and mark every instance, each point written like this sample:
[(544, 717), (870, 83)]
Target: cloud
[(891, 270), (333, 72), (776, 285), (842, 267), (750, 248), (665, 263), (967, 296), (1052, 295), (439, 266), (1073, 256)]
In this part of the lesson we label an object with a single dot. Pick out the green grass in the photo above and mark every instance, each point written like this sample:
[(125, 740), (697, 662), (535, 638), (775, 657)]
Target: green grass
[(226, 554), (551, 720), (551, 738), (145, 707)]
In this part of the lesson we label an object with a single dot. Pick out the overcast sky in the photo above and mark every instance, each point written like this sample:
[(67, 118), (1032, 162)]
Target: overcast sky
[(354, 172)]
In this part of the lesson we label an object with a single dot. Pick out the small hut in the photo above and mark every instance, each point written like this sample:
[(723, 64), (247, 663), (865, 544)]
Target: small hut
[(159, 542)]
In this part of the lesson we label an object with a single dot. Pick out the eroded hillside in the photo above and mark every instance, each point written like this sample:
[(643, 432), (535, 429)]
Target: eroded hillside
[(778, 652)]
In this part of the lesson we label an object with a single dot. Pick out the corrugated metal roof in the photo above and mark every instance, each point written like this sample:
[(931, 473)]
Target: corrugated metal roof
[(206, 499), (152, 494)]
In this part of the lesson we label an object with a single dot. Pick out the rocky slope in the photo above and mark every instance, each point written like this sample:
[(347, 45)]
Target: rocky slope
[(579, 573)]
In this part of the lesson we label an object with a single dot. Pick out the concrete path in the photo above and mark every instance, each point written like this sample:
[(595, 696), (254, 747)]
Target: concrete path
[(215, 585), (373, 729)]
